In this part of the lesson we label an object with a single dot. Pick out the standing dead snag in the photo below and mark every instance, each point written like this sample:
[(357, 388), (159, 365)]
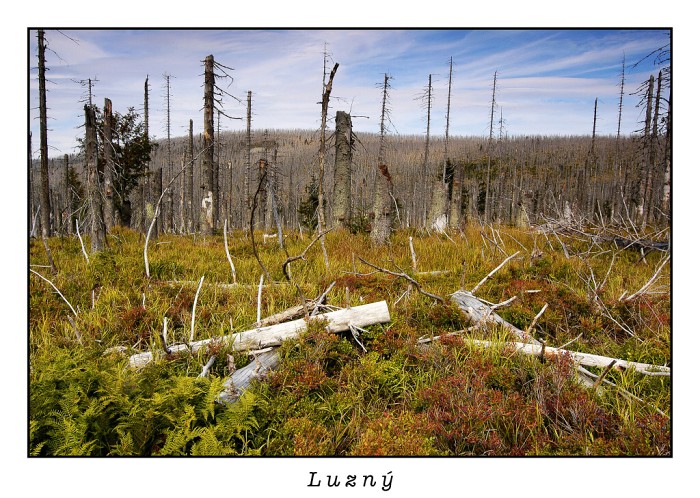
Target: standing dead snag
[(383, 185), (108, 152), (97, 227), (208, 202), (325, 99), (342, 184)]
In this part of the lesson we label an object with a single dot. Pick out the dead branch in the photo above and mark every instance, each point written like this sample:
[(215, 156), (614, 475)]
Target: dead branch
[(643, 289), (56, 289), (194, 306), (228, 254), (291, 259), (493, 271), (404, 276), (263, 177)]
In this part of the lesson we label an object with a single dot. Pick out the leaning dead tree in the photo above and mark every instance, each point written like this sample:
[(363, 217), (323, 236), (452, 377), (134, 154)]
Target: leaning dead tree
[(383, 186), (325, 100)]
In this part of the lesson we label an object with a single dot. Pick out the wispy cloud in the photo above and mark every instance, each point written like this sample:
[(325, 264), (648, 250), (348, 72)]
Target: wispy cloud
[(547, 79)]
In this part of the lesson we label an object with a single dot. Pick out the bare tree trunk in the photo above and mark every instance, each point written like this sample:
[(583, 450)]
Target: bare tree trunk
[(456, 199), (653, 145), (642, 192), (98, 238), (666, 196), (487, 207), (109, 166), (208, 200), (189, 181), (325, 98), (43, 142), (158, 186), (246, 180), (145, 192), (618, 188), (383, 185), (216, 164), (30, 166), (342, 179), (67, 209), (427, 208)]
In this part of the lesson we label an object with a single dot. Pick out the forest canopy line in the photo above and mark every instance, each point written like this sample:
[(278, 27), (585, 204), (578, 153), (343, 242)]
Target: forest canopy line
[(609, 179)]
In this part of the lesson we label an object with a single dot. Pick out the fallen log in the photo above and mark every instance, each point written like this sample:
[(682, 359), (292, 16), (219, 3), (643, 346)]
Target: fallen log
[(239, 381), (262, 337), (479, 314), (586, 359)]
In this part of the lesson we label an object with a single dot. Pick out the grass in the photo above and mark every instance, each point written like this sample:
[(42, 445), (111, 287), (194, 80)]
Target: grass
[(329, 396)]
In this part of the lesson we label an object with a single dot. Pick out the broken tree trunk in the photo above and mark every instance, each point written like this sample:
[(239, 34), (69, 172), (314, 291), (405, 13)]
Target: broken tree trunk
[(479, 314), (338, 321), (237, 383)]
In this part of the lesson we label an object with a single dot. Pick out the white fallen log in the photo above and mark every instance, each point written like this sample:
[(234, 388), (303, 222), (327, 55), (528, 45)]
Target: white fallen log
[(338, 321), (479, 314), (587, 359), (239, 381)]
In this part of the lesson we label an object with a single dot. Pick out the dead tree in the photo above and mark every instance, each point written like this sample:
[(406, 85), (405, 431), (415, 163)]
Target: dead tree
[(145, 190), (98, 238), (189, 181), (427, 209), (383, 184), (108, 153), (43, 142), (325, 99), (208, 205), (248, 146), (342, 178), (487, 207)]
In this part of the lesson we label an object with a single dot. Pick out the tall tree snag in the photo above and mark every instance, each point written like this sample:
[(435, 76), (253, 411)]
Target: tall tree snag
[(97, 227), (342, 178), (383, 185), (44, 147), (325, 98), (208, 201), (108, 152)]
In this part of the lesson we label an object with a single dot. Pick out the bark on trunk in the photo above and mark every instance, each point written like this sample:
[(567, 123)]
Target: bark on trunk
[(97, 227), (343, 170), (109, 208), (44, 148), (208, 200)]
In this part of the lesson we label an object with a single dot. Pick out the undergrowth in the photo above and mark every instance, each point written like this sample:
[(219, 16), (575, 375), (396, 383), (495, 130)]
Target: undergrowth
[(389, 393)]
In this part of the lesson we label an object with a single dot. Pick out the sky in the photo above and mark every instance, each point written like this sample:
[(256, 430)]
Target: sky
[(547, 79)]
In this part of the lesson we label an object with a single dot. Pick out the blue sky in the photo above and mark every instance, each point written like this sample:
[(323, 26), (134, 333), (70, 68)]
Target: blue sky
[(548, 80)]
